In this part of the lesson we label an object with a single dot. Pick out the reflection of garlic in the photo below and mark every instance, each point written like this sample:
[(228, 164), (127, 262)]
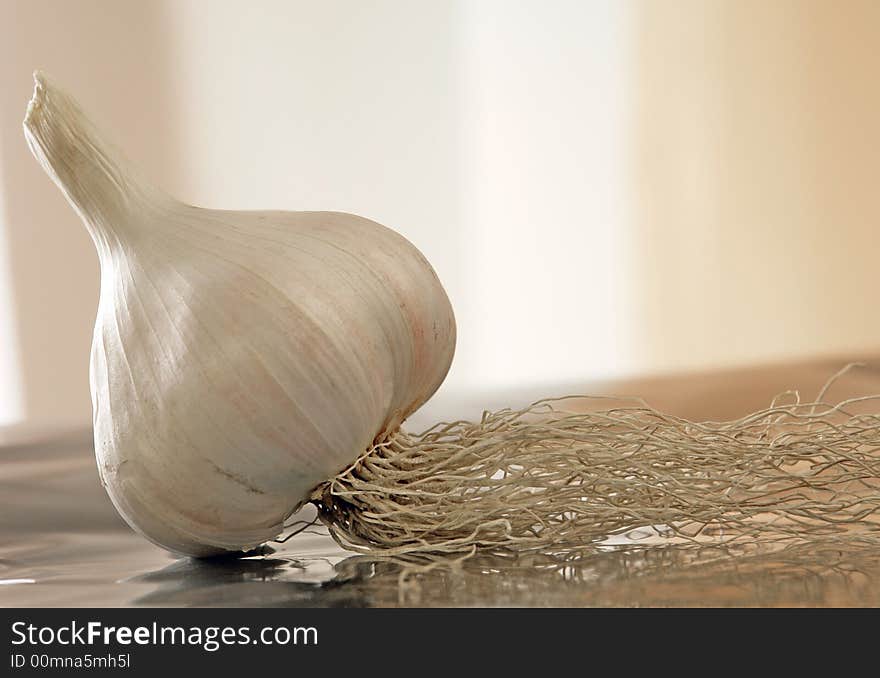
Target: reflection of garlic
[(239, 358)]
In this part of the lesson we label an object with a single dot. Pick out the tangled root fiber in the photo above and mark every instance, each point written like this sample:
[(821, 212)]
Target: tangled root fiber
[(546, 479)]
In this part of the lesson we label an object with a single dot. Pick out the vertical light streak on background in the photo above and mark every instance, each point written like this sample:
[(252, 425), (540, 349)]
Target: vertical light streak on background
[(547, 101), (11, 400)]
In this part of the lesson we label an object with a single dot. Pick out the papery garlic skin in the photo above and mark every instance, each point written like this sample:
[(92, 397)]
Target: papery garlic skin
[(239, 359)]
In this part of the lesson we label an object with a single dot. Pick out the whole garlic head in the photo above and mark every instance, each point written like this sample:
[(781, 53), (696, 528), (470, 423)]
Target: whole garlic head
[(239, 359)]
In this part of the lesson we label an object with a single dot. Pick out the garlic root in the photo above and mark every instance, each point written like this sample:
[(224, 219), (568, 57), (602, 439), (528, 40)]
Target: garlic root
[(547, 480)]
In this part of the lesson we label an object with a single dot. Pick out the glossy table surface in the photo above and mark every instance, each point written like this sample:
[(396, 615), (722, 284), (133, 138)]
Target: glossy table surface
[(62, 544)]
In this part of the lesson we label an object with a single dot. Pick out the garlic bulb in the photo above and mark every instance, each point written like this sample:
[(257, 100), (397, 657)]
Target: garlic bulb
[(239, 358)]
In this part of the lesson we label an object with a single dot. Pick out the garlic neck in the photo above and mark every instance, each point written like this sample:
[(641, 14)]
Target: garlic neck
[(92, 174)]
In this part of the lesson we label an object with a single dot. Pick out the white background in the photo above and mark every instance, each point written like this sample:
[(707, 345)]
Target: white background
[(605, 188)]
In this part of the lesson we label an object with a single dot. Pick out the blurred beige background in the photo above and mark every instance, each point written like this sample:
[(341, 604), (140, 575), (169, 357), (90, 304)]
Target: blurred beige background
[(606, 188)]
